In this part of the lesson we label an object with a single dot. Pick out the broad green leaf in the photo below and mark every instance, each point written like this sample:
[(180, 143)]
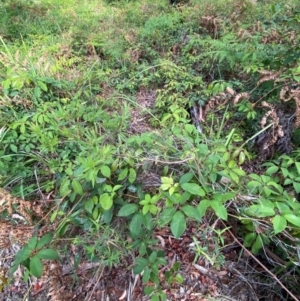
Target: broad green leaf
[(108, 215), (296, 186), (145, 209), (77, 187), (261, 211), (13, 148), (239, 171), (191, 212), (146, 275), (22, 255), (186, 178), (36, 266), (106, 201), (149, 290), (117, 187), (179, 278), (32, 243), (204, 204), (249, 239), (155, 297), (257, 245), (95, 213), (171, 190), (64, 188), (219, 209), (135, 226), (132, 175), (297, 164), (44, 240), (234, 177), (272, 170), (213, 177), (152, 257), (37, 91), (293, 219), (166, 216), (89, 206), (203, 149), (105, 170), (282, 207), (193, 188), (279, 224), (128, 209), (48, 254), (42, 85), (123, 174), (178, 224)]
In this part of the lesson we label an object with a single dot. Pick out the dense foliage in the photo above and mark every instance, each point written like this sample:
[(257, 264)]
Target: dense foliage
[(156, 114)]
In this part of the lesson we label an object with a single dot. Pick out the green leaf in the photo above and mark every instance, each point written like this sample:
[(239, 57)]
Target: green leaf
[(77, 187), (89, 206), (191, 212), (48, 254), (42, 85), (37, 91), (186, 178), (167, 180), (64, 188), (296, 186), (152, 257), (146, 275), (135, 226), (166, 216), (106, 201), (261, 211), (36, 266), (105, 170), (249, 239), (22, 255), (279, 224), (178, 224), (149, 290), (257, 245), (203, 149), (95, 213), (293, 219), (123, 174), (179, 278), (128, 209), (132, 175), (44, 240), (193, 188), (32, 243), (234, 177), (272, 170), (297, 164), (13, 148), (204, 204), (219, 209)]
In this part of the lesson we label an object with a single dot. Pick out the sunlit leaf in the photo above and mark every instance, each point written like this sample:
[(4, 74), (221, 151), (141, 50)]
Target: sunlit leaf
[(279, 224)]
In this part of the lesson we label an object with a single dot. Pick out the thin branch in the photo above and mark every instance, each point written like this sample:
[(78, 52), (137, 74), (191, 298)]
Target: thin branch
[(262, 265)]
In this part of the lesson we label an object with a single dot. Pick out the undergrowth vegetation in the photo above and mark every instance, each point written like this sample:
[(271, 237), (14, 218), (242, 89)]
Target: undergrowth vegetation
[(120, 118)]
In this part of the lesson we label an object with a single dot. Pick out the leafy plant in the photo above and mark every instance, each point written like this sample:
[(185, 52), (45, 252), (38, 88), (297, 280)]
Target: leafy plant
[(32, 254)]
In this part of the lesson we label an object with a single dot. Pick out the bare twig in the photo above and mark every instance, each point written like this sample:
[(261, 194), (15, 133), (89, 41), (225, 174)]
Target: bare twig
[(262, 265)]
